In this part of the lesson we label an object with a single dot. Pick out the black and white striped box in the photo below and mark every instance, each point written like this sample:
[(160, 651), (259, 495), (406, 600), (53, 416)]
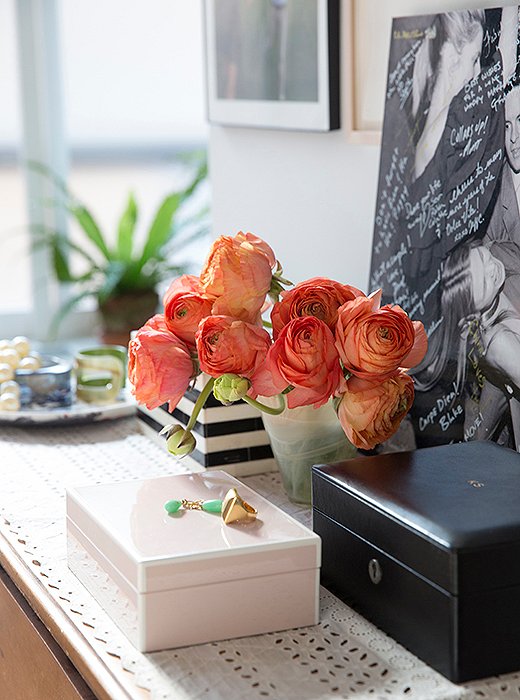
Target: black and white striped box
[(231, 438)]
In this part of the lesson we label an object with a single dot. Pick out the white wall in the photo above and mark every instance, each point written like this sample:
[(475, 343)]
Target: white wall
[(311, 196)]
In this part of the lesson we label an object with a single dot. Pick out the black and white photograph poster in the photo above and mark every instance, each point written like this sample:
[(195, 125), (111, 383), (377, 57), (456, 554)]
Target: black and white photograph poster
[(447, 225), (273, 63)]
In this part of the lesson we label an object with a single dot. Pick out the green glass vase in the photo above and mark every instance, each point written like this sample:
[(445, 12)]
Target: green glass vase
[(301, 437)]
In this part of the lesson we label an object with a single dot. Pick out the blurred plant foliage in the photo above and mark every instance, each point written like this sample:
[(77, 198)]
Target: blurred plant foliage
[(126, 266)]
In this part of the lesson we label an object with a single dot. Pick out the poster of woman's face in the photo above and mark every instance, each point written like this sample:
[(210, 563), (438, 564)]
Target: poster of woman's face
[(447, 227)]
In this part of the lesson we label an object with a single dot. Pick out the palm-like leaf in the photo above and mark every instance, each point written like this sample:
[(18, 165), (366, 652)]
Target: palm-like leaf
[(126, 228), (195, 234), (60, 245), (90, 227), (44, 170), (160, 230), (112, 276), (61, 263), (82, 215), (200, 175), (163, 228)]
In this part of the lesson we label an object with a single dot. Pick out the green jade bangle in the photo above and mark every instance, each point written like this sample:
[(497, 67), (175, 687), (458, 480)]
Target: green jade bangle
[(233, 508)]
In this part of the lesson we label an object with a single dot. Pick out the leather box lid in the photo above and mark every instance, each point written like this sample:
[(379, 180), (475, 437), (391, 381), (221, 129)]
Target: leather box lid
[(451, 513)]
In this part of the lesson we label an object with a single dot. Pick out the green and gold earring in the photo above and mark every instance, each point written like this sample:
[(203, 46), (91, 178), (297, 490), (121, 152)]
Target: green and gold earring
[(232, 508)]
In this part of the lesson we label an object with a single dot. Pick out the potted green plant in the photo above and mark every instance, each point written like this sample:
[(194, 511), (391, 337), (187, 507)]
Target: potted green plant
[(123, 276)]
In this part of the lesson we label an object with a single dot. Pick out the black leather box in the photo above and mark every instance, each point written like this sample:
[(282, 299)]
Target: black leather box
[(426, 544)]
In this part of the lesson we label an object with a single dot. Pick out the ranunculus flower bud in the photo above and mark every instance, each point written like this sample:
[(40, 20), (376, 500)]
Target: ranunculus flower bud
[(185, 306), (230, 388), (228, 346), (374, 342), (237, 275), (370, 411), (180, 442), (319, 296), (304, 357), (159, 365)]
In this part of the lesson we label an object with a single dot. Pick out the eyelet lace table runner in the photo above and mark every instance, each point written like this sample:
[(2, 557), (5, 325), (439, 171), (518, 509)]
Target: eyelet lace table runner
[(343, 657)]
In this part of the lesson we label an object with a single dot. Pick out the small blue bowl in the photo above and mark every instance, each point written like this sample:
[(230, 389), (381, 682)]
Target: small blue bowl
[(47, 387)]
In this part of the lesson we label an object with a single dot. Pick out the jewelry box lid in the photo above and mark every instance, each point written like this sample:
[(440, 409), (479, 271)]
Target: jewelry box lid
[(127, 524), (451, 513)]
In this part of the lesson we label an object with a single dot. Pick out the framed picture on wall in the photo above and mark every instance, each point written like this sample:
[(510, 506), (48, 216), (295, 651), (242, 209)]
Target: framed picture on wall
[(273, 63), (370, 24), (447, 224)]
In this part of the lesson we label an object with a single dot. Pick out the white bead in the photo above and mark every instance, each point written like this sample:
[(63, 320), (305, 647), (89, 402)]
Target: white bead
[(10, 357), (36, 355), (21, 345), (5, 343), (30, 362), (9, 402), (6, 372), (10, 387)]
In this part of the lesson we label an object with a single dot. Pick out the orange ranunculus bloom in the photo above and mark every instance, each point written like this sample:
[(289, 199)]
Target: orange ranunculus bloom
[(228, 345), (185, 306), (237, 275), (370, 411), (157, 323), (159, 365), (320, 297), (375, 342), (304, 357)]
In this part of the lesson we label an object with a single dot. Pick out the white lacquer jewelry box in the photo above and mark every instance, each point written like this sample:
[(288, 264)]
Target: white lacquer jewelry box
[(188, 578)]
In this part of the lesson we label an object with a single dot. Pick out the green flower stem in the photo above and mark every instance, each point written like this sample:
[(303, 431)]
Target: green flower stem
[(267, 409), (199, 404)]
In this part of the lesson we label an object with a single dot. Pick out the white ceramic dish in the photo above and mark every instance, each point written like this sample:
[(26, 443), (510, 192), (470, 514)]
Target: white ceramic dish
[(79, 412)]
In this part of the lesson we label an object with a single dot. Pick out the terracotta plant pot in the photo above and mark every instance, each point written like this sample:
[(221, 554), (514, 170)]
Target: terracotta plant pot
[(125, 313)]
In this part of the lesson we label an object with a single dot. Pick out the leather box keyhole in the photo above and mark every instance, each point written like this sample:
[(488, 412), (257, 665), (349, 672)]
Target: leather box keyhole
[(375, 571)]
